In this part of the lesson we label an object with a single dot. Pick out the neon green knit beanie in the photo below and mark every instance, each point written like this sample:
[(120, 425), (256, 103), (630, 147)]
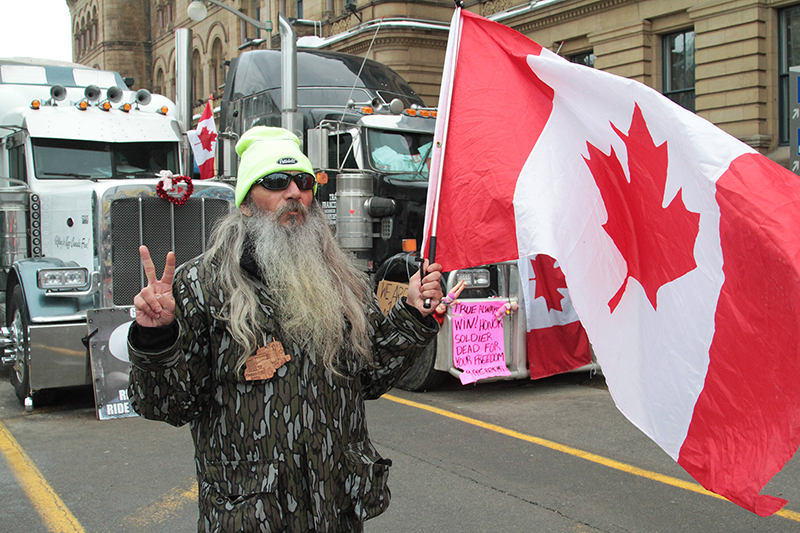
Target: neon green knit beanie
[(263, 150)]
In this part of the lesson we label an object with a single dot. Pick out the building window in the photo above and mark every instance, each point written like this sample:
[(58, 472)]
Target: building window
[(586, 58), (158, 88), (299, 9), (679, 68), (788, 56), (217, 67), (197, 79)]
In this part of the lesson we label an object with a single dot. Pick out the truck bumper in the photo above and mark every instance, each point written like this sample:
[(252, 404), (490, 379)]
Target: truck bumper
[(58, 357)]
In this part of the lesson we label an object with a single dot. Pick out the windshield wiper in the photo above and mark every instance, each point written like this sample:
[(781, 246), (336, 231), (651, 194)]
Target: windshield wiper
[(70, 175)]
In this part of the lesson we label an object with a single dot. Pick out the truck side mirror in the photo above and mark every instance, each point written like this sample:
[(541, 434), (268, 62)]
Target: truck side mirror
[(227, 158), (318, 147)]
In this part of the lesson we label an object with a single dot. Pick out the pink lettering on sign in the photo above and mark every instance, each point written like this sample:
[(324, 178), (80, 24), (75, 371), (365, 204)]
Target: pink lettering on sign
[(478, 347)]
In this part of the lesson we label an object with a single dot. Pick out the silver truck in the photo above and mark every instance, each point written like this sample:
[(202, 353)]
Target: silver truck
[(79, 192)]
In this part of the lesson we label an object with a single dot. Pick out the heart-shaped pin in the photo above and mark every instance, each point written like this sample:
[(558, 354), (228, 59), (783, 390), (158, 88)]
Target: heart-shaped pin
[(177, 200), (352, 211)]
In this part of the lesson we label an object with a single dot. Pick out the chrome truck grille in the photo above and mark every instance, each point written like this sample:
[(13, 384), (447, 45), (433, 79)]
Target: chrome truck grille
[(161, 226)]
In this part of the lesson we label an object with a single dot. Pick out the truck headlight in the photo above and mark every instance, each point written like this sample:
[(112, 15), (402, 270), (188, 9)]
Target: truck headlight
[(477, 278), (63, 278)]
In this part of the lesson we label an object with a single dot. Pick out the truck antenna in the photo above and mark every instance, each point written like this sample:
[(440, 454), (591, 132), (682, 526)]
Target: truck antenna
[(361, 68)]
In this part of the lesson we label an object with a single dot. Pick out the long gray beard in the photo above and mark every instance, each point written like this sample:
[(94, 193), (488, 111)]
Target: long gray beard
[(311, 312)]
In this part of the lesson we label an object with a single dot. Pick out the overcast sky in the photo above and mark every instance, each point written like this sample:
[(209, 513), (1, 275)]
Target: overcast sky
[(35, 28)]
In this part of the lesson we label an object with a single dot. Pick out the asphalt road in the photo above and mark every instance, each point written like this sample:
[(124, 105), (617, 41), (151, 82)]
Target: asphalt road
[(500, 457)]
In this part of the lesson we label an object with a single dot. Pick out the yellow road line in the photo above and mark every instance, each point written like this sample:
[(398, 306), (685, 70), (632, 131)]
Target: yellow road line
[(655, 476), (54, 513), (164, 507)]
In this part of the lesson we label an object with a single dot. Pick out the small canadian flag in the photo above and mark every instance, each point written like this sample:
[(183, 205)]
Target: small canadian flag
[(204, 142)]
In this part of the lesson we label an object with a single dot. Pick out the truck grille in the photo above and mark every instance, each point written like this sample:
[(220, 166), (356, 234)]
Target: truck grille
[(162, 227)]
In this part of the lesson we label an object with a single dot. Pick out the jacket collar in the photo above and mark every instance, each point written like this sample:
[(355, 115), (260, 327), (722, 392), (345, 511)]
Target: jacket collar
[(248, 261)]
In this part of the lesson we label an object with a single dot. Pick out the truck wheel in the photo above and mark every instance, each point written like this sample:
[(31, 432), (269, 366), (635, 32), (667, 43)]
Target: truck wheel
[(17, 322), (422, 376)]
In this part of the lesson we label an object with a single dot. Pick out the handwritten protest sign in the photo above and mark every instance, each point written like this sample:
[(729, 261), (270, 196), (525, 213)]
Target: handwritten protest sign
[(388, 294), (478, 346)]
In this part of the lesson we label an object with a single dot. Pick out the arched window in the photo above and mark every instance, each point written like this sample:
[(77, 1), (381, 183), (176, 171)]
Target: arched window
[(76, 34), (217, 67), (95, 24), (197, 77), (158, 87), (83, 35)]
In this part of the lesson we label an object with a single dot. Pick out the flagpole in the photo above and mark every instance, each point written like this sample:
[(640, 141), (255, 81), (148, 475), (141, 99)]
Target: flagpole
[(456, 34)]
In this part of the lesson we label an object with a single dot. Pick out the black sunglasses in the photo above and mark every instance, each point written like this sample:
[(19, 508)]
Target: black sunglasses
[(278, 181)]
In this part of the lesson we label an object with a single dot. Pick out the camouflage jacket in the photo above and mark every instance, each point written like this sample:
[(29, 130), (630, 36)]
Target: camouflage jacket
[(290, 453)]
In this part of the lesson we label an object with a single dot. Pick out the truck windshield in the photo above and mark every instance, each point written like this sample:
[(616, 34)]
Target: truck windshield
[(67, 158), (406, 155)]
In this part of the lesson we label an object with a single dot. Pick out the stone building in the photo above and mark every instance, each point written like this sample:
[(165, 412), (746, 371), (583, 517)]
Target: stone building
[(727, 60)]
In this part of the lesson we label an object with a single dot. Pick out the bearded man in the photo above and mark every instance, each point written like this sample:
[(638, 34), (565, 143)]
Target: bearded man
[(268, 345)]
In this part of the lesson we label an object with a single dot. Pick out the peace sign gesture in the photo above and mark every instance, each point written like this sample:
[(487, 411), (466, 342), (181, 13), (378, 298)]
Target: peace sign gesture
[(155, 305)]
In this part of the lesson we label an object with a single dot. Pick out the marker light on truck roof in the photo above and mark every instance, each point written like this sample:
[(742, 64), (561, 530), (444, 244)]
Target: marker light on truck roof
[(125, 107), (106, 106), (163, 110), (35, 104), (367, 110), (425, 113), (83, 105)]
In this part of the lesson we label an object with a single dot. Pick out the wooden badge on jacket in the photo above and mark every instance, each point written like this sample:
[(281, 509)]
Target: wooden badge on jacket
[(266, 360)]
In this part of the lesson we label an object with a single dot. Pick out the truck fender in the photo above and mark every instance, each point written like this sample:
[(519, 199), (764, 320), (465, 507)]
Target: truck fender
[(24, 273)]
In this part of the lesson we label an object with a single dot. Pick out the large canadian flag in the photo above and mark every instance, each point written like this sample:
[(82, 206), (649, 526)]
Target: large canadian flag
[(679, 244), (203, 140)]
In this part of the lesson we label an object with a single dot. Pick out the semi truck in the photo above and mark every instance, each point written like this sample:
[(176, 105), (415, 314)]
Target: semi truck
[(369, 136), (79, 157)]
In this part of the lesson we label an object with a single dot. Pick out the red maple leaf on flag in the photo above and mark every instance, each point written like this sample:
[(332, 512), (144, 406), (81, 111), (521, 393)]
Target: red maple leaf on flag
[(549, 278), (656, 242), (207, 138)]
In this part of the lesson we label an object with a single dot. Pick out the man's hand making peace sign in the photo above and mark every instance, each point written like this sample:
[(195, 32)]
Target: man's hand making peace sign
[(155, 305)]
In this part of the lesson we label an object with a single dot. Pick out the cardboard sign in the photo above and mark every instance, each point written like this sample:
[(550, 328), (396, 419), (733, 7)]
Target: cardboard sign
[(478, 344), (389, 292), (108, 351)]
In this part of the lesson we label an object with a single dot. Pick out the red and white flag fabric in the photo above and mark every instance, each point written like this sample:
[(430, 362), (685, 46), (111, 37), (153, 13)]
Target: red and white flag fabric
[(203, 140), (678, 242), (556, 340)]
